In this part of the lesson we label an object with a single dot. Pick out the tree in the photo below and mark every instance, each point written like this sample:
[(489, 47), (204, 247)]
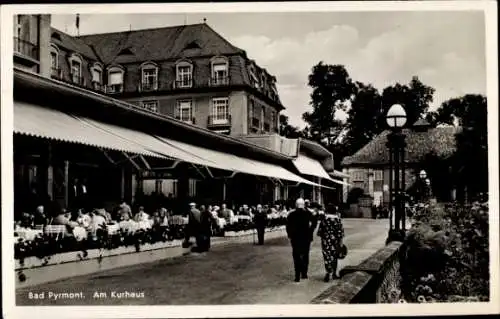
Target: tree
[(288, 130), (362, 118), (332, 89), (415, 98)]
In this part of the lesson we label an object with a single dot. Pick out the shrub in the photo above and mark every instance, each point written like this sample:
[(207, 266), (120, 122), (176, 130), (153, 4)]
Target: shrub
[(445, 256), (354, 195)]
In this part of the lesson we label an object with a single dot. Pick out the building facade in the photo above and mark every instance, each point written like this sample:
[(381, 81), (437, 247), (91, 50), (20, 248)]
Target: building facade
[(188, 72)]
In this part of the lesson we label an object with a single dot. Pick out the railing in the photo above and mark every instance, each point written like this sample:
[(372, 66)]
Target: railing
[(184, 83), (215, 121), (255, 122), (114, 88), (26, 48), (191, 120), (145, 87), (218, 81), (56, 73)]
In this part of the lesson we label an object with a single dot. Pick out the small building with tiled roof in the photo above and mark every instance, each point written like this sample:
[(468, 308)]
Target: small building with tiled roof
[(368, 168)]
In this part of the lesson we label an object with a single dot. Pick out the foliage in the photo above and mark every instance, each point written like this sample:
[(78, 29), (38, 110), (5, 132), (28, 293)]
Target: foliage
[(288, 130), (445, 256)]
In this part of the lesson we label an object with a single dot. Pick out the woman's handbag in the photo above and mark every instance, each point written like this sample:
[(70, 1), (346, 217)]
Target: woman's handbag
[(342, 252)]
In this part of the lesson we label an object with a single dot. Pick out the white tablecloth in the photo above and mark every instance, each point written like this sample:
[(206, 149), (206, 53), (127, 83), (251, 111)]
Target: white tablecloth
[(28, 234)]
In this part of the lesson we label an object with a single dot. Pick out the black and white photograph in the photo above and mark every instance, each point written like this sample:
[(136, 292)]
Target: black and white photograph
[(284, 158)]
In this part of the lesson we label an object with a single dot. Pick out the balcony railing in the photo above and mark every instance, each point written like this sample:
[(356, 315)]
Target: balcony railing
[(114, 88), (191, 120), (218, 81), (184, 83), (255, 122), (26, 48), (217, 121), (145, 87), (56, 73)]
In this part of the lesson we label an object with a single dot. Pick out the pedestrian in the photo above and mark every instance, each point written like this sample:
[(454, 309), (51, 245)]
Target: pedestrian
[(331, 232), (207, 222), (260, 221), (300, 228), (193, 226)]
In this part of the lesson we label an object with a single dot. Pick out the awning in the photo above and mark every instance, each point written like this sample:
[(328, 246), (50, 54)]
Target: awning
[(48, 123), (339, 174), (309, 166), (235, 163)]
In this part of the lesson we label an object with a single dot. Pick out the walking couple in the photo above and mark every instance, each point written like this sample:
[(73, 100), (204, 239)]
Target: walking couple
[(301, 224)]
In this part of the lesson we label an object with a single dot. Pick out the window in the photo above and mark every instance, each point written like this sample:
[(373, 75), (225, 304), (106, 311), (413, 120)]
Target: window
[(97, 75), (76, 71), (149, 77), (184, 75), (115, 80), (378, 175), (184, 111), (251, 109), (54, 59), (150, 105), (273, 120), (262, 117), (219, 71), (220, 110), (358, 176)]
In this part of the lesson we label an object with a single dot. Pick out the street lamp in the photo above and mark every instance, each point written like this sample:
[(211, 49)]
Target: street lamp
[(396, 119)]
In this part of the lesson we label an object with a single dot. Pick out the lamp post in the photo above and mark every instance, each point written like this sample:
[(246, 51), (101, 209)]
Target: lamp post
[(396, 119)]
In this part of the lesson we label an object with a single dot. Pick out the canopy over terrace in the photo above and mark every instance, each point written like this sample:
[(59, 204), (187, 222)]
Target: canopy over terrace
[(308, 166), (34, 120)]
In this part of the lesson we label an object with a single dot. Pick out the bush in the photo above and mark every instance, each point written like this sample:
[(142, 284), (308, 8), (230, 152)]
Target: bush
[(445, 256), (354, 195)]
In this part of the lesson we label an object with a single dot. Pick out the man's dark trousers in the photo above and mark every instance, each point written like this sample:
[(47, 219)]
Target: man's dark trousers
[(300, 252), (261, 230)]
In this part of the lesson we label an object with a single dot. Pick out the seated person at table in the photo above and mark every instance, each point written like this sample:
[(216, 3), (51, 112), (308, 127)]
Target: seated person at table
[(124, 212), (27, 220), (39, 217), (164, 214), (64, 218), (83, 219), (226, 213), (141, 216)]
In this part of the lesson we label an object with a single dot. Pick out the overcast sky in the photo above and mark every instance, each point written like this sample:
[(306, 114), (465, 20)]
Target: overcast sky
[(445, 49)]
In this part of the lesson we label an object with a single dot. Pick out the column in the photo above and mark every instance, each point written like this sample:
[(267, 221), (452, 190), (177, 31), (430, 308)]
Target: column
[(50, 172), (224, 188), (122, 184), (66, 184)]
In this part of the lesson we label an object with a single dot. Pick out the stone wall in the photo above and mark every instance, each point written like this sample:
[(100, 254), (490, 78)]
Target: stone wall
[(375, 280)]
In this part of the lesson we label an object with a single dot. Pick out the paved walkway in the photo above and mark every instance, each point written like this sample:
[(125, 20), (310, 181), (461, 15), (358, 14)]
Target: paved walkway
[(239, 273)]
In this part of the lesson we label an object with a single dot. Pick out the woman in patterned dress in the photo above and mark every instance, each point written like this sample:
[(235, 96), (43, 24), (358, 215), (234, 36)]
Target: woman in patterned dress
[(331, 232)]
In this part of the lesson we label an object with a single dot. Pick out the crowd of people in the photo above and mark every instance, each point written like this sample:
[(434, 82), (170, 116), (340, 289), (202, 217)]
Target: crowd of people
[(41, 234)]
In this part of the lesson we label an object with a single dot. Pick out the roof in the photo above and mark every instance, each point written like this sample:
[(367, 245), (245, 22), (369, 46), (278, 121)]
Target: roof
[(117, 107), (72, 44), (159, 44), (438, 140)]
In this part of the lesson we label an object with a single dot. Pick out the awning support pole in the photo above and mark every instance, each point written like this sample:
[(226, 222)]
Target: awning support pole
[(198, 170), (225, 177), (209, 172), (167, 167), (107, 156), (145, 162), (131, 161)]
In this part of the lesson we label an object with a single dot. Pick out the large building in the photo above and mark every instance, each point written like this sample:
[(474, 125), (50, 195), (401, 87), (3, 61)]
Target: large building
[(189, 72), (174, 110)]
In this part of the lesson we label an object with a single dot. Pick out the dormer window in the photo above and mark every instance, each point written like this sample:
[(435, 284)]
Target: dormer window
[(96, 72), (184, 75), (55, 71), (75, 66), (115, 80), (253, 76), (149, 73), (220, 71)]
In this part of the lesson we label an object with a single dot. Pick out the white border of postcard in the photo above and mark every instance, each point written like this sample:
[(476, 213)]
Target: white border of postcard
[(10, 310)]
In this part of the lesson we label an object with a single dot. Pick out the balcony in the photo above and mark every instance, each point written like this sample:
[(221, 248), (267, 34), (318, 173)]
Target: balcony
[(26, 49), (218, 121), (191, 120), (218, 81), (114, 88), (147, 87), (183, 83), (56, 73)]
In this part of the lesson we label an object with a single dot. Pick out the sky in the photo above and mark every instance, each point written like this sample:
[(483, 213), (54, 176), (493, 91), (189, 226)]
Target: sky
[(446, 50)]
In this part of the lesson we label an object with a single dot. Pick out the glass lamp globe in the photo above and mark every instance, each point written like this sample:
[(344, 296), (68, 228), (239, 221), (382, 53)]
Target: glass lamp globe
[(396, 116)]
